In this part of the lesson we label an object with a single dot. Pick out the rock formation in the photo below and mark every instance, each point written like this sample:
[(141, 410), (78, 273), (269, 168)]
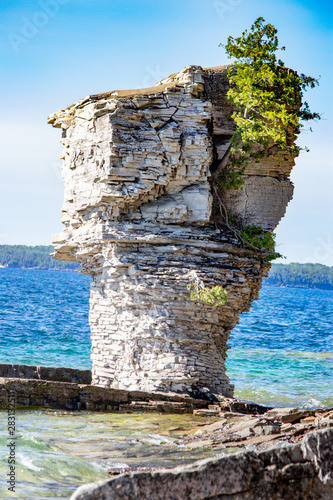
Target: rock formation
[(140, 215)]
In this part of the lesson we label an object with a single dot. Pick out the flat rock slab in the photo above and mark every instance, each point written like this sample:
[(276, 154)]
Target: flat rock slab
[(259, 431), (70, 396), (67, 389), (55, 373)]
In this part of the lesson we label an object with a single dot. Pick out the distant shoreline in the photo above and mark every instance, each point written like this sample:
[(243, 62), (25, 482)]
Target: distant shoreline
[(42, 269), (294, 275), (304, 287), (266, 282), (33, 257), (313, 276)]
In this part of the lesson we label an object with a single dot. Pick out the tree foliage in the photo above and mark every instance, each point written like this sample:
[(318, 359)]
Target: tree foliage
[(301, 276), (268, 97), (258, 239), (32, 257), (213, 296)]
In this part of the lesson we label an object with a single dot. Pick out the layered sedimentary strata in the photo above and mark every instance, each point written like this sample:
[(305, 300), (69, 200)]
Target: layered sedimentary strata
[(139, 216)]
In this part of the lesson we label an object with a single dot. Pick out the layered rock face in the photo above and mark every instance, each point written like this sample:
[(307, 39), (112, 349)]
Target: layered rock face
[(139, 216)]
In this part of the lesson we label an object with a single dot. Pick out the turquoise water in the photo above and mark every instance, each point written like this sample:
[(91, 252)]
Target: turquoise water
[(282, 354), (282, 350), (58, 451), (44, 318)]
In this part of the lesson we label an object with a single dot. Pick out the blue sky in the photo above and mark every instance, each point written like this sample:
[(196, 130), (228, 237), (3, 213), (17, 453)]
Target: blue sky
[(54, 52)]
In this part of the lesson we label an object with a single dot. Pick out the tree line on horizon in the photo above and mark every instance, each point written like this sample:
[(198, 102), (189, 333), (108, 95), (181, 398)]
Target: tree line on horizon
[(293, 275), (301, 276), (33, 257)]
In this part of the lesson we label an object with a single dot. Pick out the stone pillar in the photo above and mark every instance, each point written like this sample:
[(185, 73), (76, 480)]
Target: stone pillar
[(138, 216), (147, 333)]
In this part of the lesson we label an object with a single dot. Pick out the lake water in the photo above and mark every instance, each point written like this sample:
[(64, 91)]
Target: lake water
[(282, 350), (282, 354), (57, 451)]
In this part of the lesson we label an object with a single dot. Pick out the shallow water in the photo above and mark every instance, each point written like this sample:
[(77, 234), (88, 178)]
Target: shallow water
[(281, 378), (57, 451), (282, 350), (282, 355)]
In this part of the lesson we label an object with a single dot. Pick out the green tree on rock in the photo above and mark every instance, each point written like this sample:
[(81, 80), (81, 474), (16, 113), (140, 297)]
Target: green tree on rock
[(268, 97)]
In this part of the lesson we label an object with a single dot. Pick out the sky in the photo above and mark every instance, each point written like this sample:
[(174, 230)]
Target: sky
[(54, 52)]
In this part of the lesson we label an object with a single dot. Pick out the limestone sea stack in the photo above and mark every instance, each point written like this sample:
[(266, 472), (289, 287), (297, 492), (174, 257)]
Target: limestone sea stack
[(142, 216)]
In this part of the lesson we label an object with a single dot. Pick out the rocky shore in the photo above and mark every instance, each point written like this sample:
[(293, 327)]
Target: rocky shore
[(283, 454), (267, 453)]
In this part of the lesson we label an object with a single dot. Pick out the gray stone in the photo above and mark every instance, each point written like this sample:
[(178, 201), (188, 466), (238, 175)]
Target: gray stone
[(73, 396), (58, 374), (290, 415), (138, 215), (297, 472)]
